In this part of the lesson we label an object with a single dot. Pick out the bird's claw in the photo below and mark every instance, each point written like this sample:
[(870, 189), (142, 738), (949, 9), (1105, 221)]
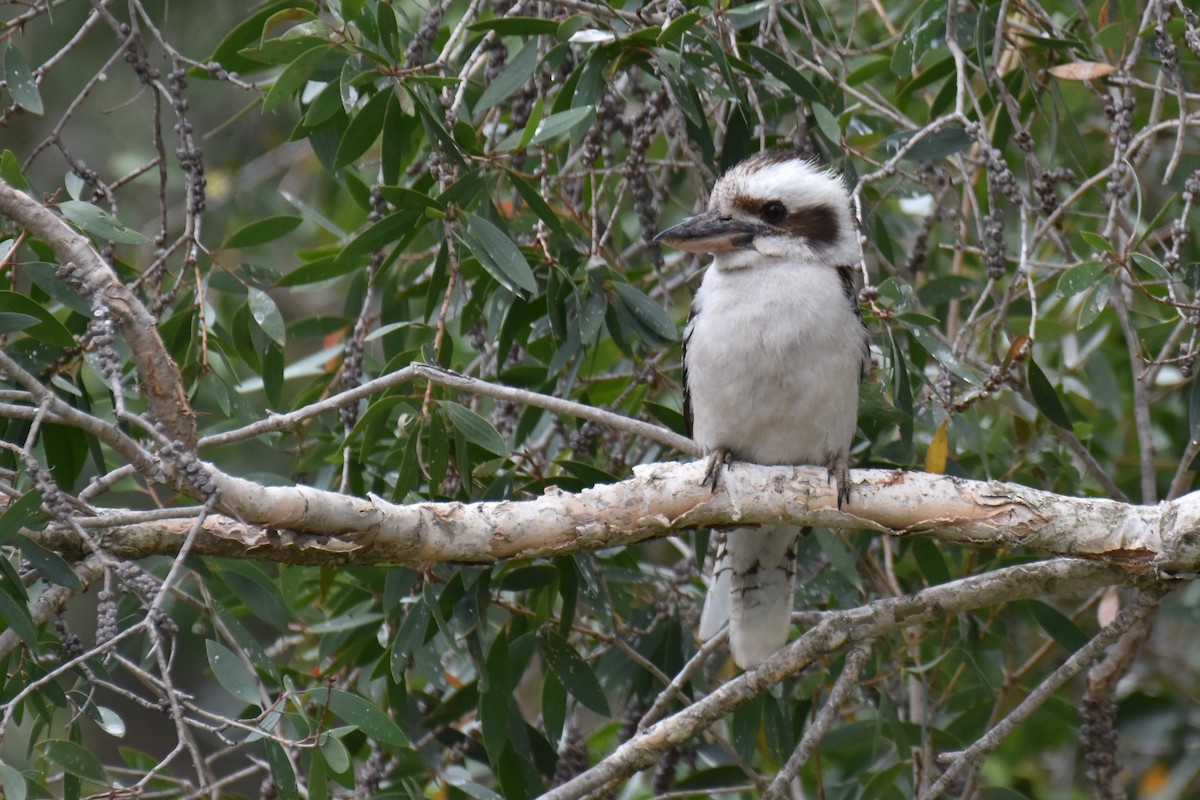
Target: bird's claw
[(720, 457), (839, 471)]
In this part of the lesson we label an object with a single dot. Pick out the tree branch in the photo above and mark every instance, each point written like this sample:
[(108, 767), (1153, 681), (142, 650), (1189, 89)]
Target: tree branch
[(304, 525), (83, 268), (835, 630)]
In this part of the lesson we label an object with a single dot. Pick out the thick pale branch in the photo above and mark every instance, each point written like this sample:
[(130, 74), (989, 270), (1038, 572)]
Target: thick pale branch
[(305, 525), (82, 267)]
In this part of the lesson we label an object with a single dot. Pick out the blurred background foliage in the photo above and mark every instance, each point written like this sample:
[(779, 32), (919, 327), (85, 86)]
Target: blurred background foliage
[(320, 193)]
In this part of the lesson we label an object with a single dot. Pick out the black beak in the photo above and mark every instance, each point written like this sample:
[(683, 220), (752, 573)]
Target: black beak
[(711, 233)]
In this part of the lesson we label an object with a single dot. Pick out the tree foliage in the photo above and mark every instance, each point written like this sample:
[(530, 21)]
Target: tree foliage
[(401, 252)]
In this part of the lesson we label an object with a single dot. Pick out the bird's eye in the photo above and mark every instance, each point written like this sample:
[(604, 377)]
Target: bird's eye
[(774, 212)]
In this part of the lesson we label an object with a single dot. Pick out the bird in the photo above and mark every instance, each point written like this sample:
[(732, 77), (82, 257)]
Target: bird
[(774, 352)]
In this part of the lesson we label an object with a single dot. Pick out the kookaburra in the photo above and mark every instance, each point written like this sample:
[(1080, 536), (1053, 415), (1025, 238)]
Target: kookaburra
[(773, 356)]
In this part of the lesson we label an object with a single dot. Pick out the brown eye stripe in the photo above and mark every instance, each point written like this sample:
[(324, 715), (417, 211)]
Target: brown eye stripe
[(749, 205), (817, 224)]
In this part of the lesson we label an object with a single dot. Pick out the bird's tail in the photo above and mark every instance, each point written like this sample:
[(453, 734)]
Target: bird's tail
[(752, 589)]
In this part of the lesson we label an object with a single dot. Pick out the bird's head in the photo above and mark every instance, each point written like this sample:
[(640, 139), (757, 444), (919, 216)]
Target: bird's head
[(776, 205)]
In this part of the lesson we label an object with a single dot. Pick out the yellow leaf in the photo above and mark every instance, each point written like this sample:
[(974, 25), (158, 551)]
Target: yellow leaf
[(1082, 70), (939, 449)]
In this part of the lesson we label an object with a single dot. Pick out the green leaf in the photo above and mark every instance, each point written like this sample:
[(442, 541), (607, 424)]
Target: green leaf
[(495, 697), (941, 143), (74, 760), (677, 27), (745, 725), (1045, 398), (941, 352), (282, 775), (781, 69), (409, 636), (1097, 241), (1095, 302), (53, 567), (24, 512), (362, 714), (474, 428), (827, 122), (1059, 627), (266, 314), (930, 561), (498, 255), (21, 82), (248, 32), (519, 69), (1151, 267), (1079, 277), (927, 25), (48, 329), (841, 558), (564, 121), (232, 673), (94, 219), (554, 706), (572, 670), (460, 779), (649, 313), (364, 128), (294, 76), (264, 230), (16, 617), (12, 783), (10, 171)]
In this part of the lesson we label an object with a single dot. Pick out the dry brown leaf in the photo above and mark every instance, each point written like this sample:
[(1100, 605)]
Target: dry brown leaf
[(1082, 70)]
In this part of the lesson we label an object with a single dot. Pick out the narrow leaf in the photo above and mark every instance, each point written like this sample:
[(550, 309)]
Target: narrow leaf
[(1046, 398), (53, 567), (267, 315), (648, 312), (474, 428), (264, 230), (364, 715), (24, 512), (572, 670), (16, 617), (294, 76), (939, 449), (520, 69), (562, 122), (1060, 627), (498, 255)]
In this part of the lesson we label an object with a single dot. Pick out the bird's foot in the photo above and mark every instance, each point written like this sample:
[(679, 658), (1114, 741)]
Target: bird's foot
[(720, 457), (839, 470)]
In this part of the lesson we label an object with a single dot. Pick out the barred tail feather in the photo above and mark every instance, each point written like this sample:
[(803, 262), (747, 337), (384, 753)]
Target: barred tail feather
[(715, 615), (752, 587)]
